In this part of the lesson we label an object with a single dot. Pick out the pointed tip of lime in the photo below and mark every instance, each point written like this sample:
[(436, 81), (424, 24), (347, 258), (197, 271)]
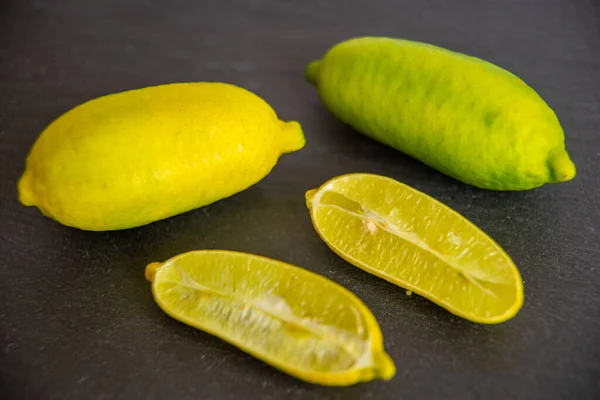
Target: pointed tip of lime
[(312, 72), (385, 368), (309, 196), (24, 188), (150, 271), (292, 137), (562, 169)]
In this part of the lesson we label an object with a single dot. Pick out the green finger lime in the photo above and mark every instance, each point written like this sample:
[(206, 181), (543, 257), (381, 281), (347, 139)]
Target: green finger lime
[(461, 115)]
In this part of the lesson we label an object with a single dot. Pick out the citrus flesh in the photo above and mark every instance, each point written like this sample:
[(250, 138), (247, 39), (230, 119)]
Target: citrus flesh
[(410, 239), (293, 319)]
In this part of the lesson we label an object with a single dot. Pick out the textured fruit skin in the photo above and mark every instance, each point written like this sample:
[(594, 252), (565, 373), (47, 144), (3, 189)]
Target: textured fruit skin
[(461, 115), (131, 158)]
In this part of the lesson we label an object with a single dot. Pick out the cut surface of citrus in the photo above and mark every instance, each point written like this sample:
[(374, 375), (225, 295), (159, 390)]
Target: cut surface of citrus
[(299, 322), (412, 240)]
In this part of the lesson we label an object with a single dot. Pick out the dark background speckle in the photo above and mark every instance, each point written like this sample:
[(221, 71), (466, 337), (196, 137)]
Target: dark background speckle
[(77, 320)]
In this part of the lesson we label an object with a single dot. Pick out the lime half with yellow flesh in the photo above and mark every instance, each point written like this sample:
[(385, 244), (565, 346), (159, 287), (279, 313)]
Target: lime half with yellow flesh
[(295, 320), (412, 240)]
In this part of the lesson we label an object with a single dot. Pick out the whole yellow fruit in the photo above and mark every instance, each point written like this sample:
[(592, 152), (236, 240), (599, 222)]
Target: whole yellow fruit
[(131, 158)]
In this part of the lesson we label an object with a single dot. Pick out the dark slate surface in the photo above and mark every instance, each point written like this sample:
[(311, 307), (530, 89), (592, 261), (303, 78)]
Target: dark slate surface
[(77, 320)]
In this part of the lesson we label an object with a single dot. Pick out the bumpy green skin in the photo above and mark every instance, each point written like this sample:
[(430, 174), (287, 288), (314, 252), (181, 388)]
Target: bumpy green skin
[(461, 115)]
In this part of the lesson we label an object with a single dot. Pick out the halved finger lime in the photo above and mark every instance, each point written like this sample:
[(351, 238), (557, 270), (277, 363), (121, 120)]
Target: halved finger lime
[(295, 320), (408, 238)]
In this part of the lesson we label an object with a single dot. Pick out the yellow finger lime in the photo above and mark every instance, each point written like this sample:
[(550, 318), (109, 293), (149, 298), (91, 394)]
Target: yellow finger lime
[(412, 240), (131, 158), (466, 117), (292, 319)]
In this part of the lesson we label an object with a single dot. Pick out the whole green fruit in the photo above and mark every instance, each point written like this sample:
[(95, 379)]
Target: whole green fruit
[(461, 115)]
